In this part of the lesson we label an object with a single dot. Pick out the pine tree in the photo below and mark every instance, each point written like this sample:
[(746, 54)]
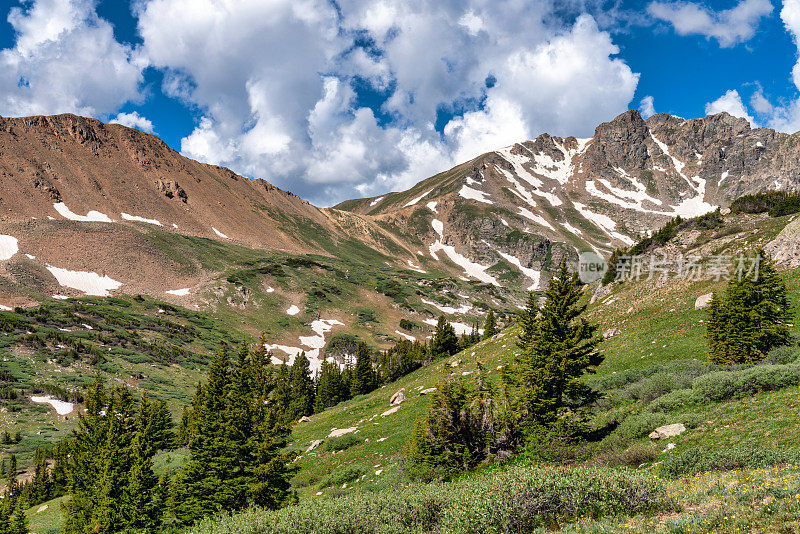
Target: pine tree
[(18, 523), (751, 317), (561, 350), (363, 375), (490, 326), (445, 341), (611, 269), (527, 321), (302, 388)]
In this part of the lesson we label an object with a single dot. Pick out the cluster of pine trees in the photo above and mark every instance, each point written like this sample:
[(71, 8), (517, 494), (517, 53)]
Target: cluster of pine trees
[(751, 317), (15, 501), (544, 390)]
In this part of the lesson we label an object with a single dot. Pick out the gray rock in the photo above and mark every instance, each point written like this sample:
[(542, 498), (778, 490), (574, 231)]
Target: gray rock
[(668, 431), (304, 419), (315, 444), (703, 301), (611, 332), (427, 391), (397, 398)]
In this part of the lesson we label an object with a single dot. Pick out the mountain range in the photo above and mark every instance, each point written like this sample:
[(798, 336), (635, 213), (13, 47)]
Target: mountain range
[(88, 208)]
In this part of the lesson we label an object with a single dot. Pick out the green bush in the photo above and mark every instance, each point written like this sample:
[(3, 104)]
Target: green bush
[(783, 355), (523, 498), (723, 385), (717, 386), (698, 460), (341, 443), (339, 477), (639, 426), (674, 400)]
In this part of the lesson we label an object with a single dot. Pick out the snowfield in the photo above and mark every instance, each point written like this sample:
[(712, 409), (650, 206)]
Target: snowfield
[(460, 328), (412, 202), (61, 407), (408, 337), (474, 270), (464, 308), (473, 194), (8, 247), (376, 201), (86, 281), (92, 216), (605, 223), (315, 344), (293, 310), (178, 292), (223, 236), (136, 218), (538, 219)]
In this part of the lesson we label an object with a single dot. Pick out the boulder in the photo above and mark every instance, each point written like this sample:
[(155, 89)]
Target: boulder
[(426, 391), (455, 363), (336, 432), (390, 411), (611, 332), (703, 301), (304, 419), (668, 431), (315, 444), (397, 398)]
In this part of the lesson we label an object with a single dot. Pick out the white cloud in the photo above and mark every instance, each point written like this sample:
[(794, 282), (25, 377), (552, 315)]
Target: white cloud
[(275, 83), (65, 59), (731, 103), (133, 120), (728, 27), (647, 107)]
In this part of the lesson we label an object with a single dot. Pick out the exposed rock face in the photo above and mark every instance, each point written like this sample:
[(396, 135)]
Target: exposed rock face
[(315, 444), (335, 433), (171, 189), (785, 248), (522, 209)]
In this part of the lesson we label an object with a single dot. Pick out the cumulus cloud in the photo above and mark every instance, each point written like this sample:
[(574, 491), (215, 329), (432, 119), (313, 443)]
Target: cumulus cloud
[(278, 84), (729, 27), (647, 107), (65, 59), (133, 120), (731, 103)]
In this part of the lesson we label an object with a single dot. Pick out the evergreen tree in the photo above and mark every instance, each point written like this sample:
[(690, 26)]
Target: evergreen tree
[(561, 350), (445, 341), (302, 388), (751, 317), (527, 321), (490, 326), (611, 266), (363, 375), (18, 523), (329, 387)]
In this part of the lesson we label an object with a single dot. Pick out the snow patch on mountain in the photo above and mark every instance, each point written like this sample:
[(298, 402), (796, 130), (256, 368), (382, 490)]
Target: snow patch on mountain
[(414, 201), (219, 233), (315, 344), (472, 269), (136, 218), (538, 219), (473, 194), (92, 216), (86, 281), (376, 201), (432, 206), (178, 292), (61, 407), (464, 308), (605, 223), (415, 267), (517, 161), (9, 246), (292, 310), (460, 328), (407, 336)]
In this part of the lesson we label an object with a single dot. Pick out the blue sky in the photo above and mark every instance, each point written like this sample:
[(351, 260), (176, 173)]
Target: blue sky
[(355, 98)]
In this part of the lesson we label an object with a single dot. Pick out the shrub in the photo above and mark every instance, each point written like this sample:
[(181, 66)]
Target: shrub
[(337, 478), (639, 426), (698, 460), (523, 498), (782, 355), (674, 400), (341, 443), (717, 386), (641, 453), (758, 203)]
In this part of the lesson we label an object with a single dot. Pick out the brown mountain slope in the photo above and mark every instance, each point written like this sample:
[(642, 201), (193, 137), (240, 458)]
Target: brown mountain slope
[(49, 165)]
